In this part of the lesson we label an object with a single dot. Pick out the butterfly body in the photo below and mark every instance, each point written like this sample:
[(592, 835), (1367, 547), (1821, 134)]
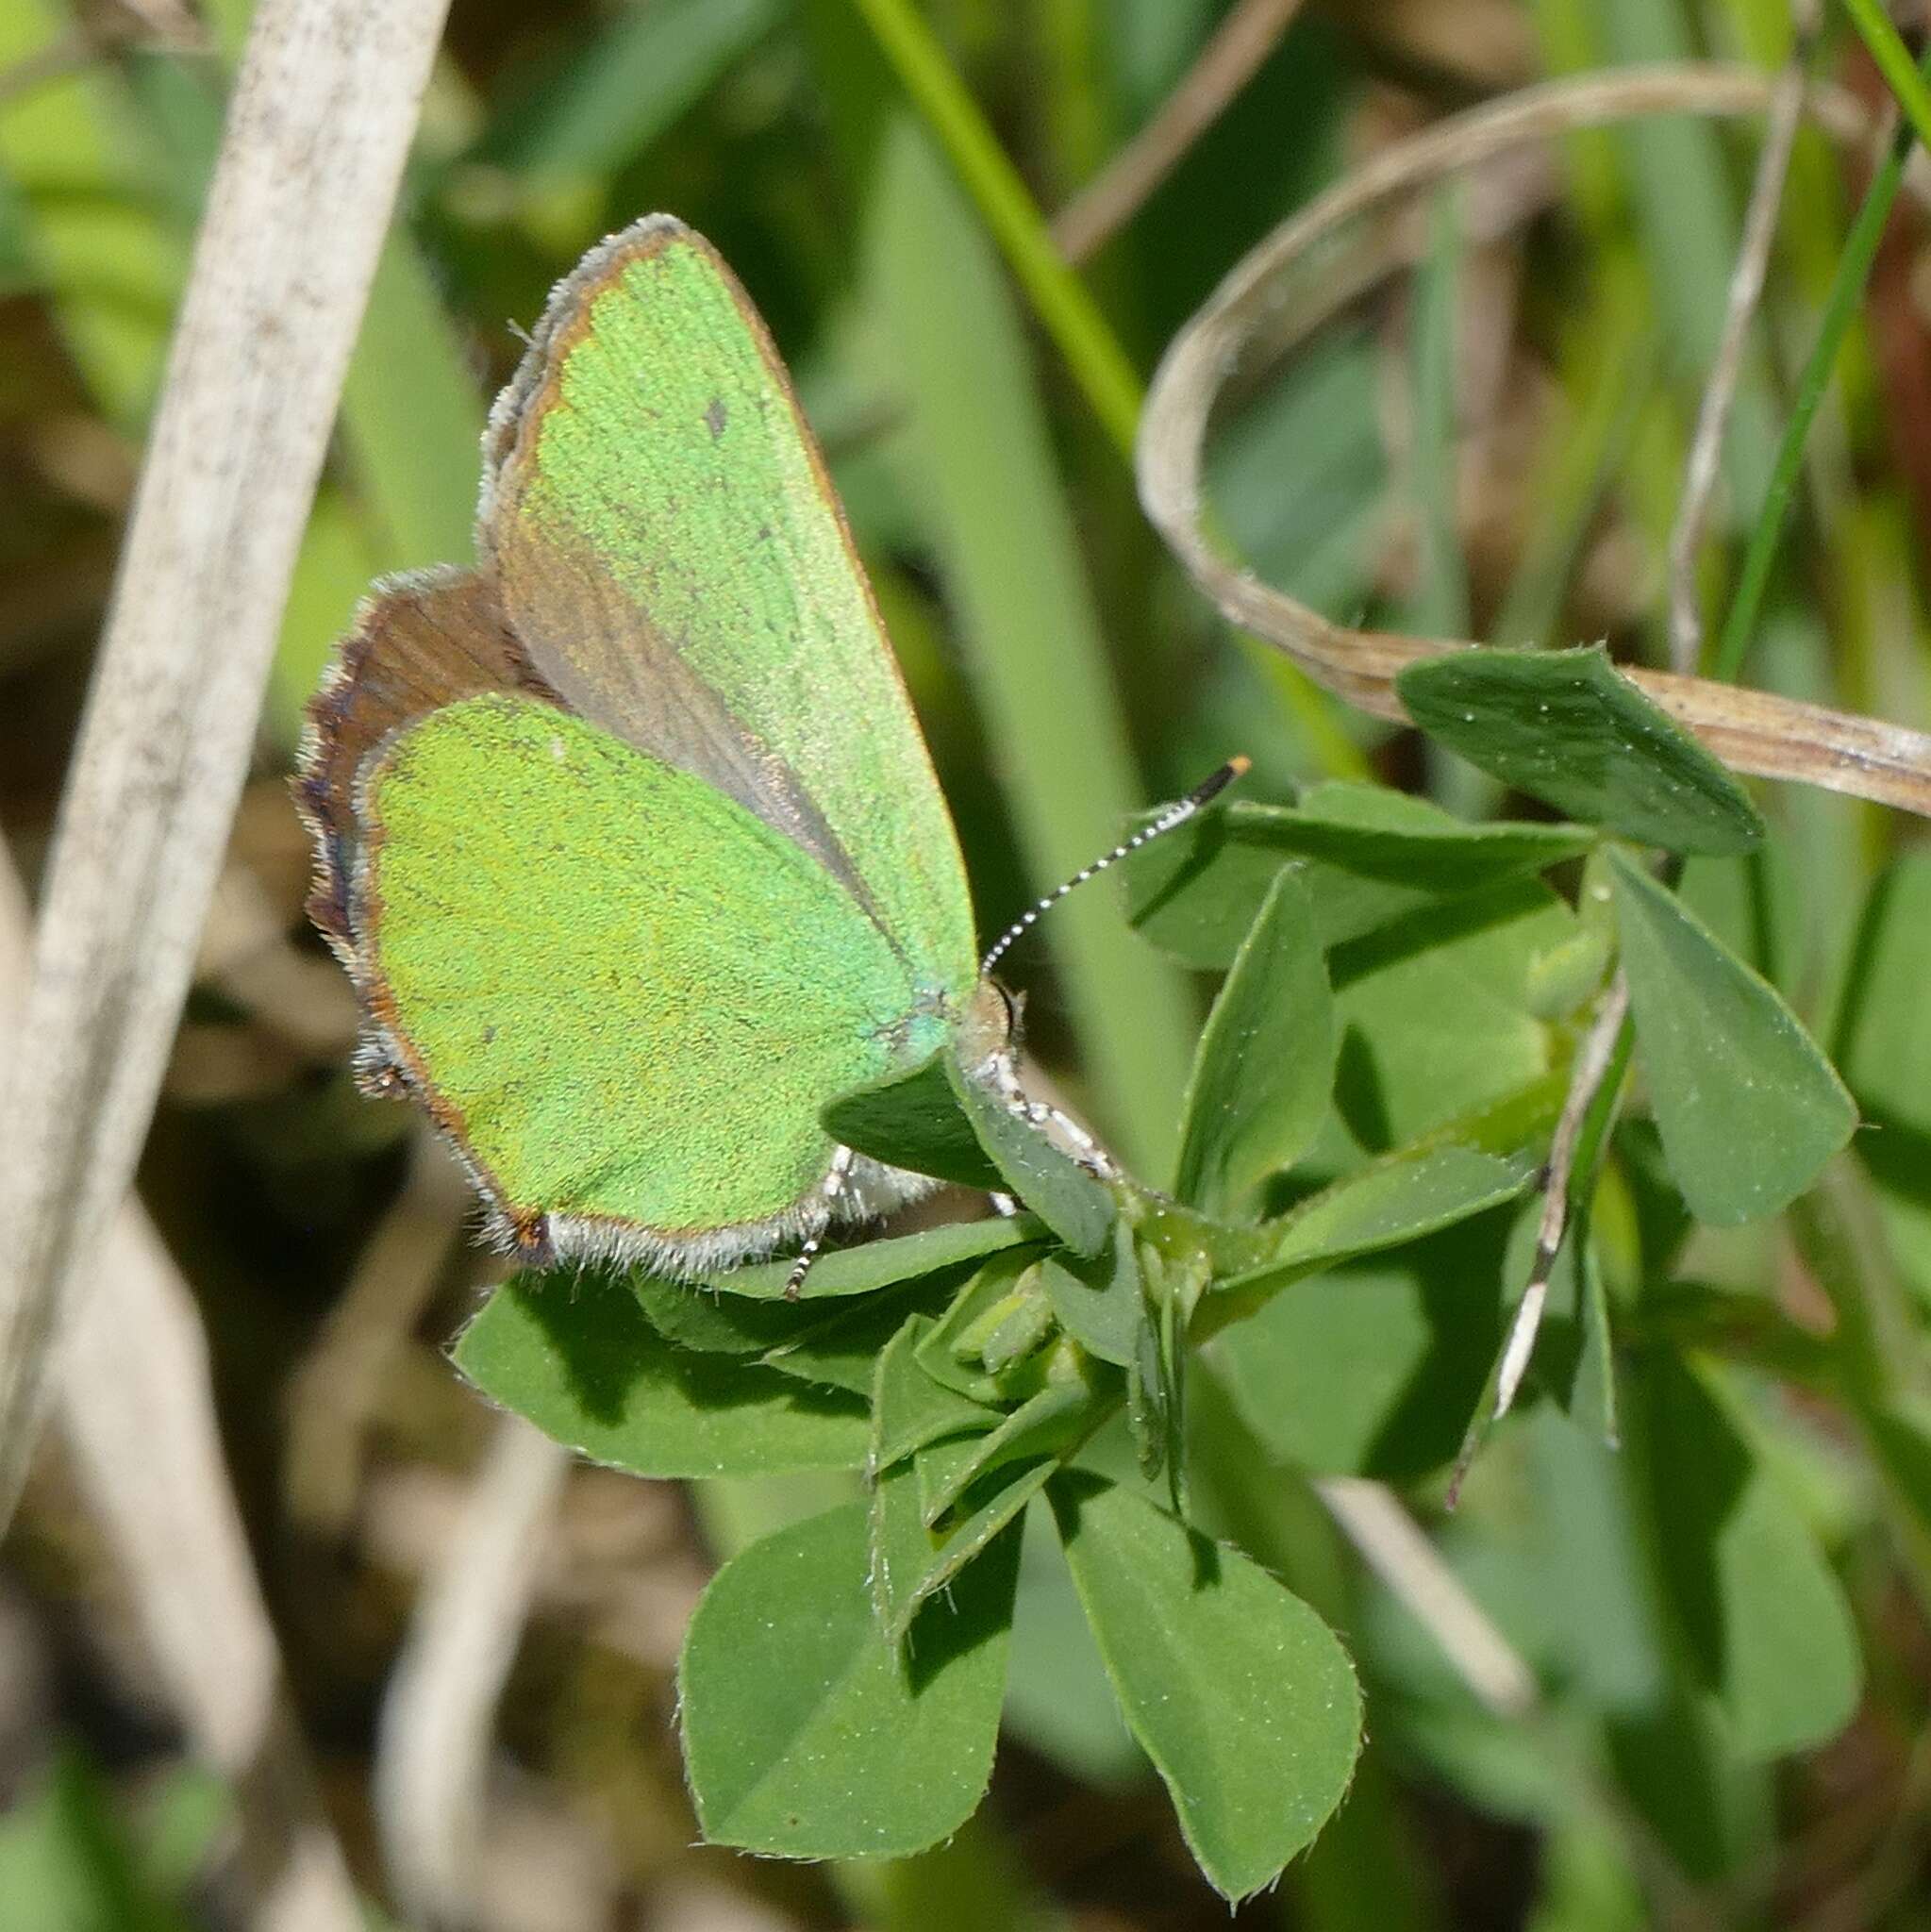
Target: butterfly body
[(629, 836)]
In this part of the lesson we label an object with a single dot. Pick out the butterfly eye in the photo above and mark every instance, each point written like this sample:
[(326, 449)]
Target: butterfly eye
[(1015, 1017)]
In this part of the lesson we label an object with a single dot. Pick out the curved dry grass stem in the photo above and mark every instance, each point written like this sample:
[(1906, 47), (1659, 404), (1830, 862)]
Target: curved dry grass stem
[(320, 123), (1286, 288)]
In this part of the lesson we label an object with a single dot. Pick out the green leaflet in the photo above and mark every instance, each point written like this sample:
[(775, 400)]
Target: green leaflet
[(911, 1558), (910, 1409), (1365, 854), (1079, 1208), (1099, 1302), (834, 1343), (1882, 1044), (880, 1264), (1371, 1367), (1569, 727), (915, 1121), (577, 1358), (806, 1735), (1401, 1072), (1748, 1108), (1240, 1695), (1397, 1199), (1764, 1621), (1265, 1063)]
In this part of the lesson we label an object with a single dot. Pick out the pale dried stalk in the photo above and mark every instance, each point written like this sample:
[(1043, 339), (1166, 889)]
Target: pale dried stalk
[(1772, 737), (334, 1397), (320, 123), (1398, 1550), (136, 1409), (1594, 1059), (432, 1752), (1248, 34), (1719, 391)]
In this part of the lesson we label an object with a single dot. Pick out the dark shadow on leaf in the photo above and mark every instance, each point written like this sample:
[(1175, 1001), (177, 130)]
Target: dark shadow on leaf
[(606, 1347), (1897, 1156), (1663, 1760), (1359, 1096), (599, 1333), (1458, 1274), (1697, 1466), (1207, 1559), (975, 1608), (1663, 1222)]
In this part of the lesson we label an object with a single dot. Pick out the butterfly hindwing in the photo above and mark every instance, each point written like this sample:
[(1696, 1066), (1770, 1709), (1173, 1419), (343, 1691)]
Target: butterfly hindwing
[(625, 996)]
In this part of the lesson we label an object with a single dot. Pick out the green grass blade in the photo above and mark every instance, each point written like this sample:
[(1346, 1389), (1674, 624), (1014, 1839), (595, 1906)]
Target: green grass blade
[(1846, 292), (412, 417), (101, 245), (1439, 606), (628, 84), (1905, 79), (1092, 350), (1011, 559)]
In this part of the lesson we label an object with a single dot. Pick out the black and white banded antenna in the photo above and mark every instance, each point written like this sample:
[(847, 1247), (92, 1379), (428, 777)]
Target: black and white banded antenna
[(1163, 821)]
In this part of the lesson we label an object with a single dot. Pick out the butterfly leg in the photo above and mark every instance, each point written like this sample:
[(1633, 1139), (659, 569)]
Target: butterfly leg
[(1058, 1126), (837, 1177)]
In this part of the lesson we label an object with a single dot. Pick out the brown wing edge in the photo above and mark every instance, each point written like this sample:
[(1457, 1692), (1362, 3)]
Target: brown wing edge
[(565, 312), (418, 643)]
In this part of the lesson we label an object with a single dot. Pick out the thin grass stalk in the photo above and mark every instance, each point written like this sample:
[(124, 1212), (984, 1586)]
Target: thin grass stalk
[(1840, 309)]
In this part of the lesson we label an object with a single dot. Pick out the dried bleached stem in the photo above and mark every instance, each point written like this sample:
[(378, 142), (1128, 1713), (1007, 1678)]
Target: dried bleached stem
[(433, 1749), (1592, 1063), (1719, 391), (135, 1407), (1395, 1547), (1286, 288), (321, 119), (336, 1393)]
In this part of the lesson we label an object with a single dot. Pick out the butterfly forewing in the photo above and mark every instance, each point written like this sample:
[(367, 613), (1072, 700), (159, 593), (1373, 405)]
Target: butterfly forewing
[(672, 558)]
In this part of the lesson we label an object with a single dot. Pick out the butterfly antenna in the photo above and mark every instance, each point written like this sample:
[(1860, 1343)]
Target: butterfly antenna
[(1164, 820), (838, 1178)]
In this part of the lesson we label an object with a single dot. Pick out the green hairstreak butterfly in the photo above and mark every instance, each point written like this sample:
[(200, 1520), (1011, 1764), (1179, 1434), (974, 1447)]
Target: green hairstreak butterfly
[(629, 836)]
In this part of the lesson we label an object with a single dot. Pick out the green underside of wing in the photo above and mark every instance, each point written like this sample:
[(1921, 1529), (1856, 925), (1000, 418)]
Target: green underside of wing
[(635, 996), (671, 449)]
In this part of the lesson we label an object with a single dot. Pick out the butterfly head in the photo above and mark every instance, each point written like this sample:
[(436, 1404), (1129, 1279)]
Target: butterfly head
[(989, 1031)]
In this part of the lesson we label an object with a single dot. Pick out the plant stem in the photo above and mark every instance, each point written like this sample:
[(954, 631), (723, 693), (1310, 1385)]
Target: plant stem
[(1905, 79), (1099, 366), (1846, 290)]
